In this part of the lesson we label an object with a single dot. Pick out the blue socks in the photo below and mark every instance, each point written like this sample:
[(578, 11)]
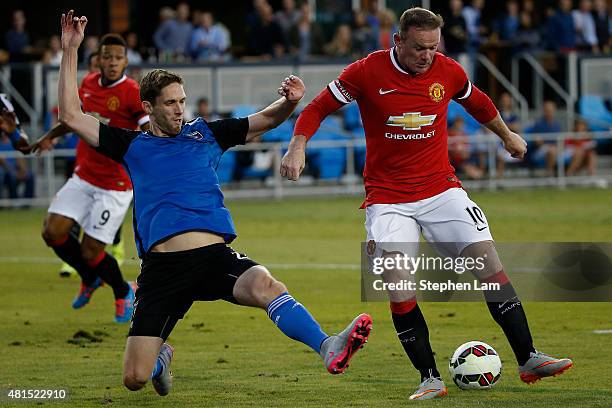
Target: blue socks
[(158, 368), (295, 321)]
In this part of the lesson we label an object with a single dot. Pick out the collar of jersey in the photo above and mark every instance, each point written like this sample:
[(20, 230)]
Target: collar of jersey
[(117, 82), (397, 66)]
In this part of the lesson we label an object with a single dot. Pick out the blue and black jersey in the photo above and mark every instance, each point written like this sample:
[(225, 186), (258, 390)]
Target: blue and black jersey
[(176, 188)]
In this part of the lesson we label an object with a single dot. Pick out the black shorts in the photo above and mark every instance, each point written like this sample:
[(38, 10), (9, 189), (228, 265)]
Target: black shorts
[(169, 282)]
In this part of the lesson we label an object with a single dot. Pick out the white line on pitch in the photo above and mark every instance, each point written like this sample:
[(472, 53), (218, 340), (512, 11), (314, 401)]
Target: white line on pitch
[(607, 331), (50, 260)]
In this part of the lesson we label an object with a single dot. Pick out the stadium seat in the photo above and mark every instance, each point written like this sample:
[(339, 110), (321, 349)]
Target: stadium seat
[(352, 117), (455, 109), (226, 167), (328, 163), (242, 111), (360, 151), (593, 110)]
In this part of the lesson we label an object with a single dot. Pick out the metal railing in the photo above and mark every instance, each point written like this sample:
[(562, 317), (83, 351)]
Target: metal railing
[(48, 181)]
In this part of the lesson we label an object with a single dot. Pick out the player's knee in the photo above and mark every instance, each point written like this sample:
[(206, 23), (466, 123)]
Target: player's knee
[(52, 235), (133, 380), (90, 252), (267, 288)]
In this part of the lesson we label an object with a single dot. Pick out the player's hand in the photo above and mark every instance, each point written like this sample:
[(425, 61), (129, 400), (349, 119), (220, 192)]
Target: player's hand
[(292, 88), (73, 30), (515, 145), (45, 143), (294, 160), (8, 121)]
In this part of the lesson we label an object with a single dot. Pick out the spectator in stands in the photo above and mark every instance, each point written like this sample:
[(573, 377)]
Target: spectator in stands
[(506, 27), (93, 63), (581, 151), (53, 56), (372, 16), (586, 36), (134, 56), (475, 28), (92, 43), (342, 43), (386, 28), (528, 6), (603, 24), (545, 151), (203, 110), (265, 38), (455, 30), (210, 41), (560, 28), (173, 34), (14, 172), (306, 38), (459, 150), (511, 118), (288, 16), (17, 39), (528, 36), (363, 40)]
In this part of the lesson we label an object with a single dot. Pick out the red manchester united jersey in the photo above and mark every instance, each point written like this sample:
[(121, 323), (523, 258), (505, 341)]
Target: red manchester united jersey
[(404, 117), (115, 105)]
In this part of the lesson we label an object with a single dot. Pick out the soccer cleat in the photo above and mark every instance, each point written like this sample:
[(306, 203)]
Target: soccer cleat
[(163, 381), (85, 292), (431, 387), (125, 306), (338, 350), (541, 365), (118, 252), (66, 271)]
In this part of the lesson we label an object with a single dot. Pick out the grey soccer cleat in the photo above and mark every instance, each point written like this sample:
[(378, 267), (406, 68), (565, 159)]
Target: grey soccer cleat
[(338, 350), (163, 381), (541, 365), (431, 387)]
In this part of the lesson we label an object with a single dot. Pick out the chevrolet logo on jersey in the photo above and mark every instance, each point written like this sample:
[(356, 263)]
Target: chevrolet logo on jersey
[(411, 120)]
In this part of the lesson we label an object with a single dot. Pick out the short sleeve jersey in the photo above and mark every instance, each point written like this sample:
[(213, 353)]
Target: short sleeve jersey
[(176, 188), (404, 117), (115, 105)]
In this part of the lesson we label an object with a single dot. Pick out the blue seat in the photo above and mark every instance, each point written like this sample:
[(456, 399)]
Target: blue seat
[(226, 167), (471, 124), (328, 163), (352, 117), (360, 151), (242, 111), (593, 110)]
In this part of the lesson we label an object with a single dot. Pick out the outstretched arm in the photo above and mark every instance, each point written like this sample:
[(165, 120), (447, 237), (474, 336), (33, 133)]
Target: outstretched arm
[(18, 137), (45, 142), (292, 90), (70, 114)]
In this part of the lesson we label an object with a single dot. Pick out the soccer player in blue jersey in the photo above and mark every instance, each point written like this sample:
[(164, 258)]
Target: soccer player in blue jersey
[(181, 225)]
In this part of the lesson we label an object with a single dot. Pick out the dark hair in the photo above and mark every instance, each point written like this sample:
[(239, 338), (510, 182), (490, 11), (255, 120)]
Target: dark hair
[(91, 57), (156, 80), (419, 18), (112, 39), (203, 99)]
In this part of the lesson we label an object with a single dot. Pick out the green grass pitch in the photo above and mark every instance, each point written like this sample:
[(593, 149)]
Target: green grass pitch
[(230, 356)]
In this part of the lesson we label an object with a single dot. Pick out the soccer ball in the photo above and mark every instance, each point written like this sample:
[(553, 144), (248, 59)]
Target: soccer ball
[(475, 366)]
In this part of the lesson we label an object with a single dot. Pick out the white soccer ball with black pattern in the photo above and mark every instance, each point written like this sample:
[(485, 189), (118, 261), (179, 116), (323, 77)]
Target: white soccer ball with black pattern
[(475, 366)]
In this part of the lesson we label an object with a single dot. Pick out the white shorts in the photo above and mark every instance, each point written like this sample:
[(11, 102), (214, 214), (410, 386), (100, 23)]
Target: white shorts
[(450, 221), (98, 211)]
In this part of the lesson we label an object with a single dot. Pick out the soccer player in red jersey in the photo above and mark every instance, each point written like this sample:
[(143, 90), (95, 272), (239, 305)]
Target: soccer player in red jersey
[(99, 193), (403, 95)]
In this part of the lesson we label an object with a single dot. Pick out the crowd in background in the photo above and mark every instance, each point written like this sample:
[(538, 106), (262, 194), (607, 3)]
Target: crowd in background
[(192, 35), (184, 34)]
